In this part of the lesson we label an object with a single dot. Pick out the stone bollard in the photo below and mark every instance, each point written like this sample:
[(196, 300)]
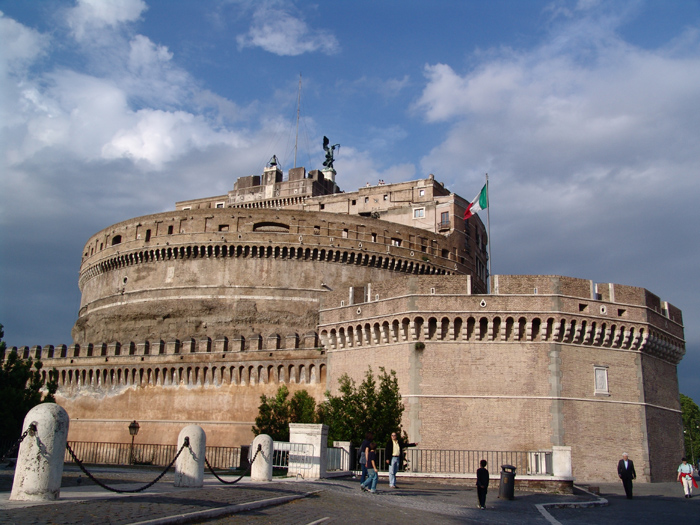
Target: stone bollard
[(40, 458), (262, 466), (189, 467)]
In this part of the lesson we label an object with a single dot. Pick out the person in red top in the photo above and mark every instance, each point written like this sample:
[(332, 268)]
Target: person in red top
[(685, 476)]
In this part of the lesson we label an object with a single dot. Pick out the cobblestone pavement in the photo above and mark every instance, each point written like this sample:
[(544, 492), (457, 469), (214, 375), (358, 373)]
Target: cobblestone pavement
[(337, 501)]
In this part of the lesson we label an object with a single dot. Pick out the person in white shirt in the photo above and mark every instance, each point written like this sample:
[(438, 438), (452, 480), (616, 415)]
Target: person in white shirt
[(685, 476)]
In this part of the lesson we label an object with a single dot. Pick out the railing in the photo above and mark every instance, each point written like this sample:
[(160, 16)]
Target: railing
[(146, 454), (427, 461), (299, 456), (293, 456), (462, 461), (337, 459)]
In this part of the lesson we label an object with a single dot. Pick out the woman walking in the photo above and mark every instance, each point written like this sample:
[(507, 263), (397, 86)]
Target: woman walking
[(372, 471)]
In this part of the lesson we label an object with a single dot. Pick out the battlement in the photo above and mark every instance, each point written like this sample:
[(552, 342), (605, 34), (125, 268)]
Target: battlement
[(448, 312)]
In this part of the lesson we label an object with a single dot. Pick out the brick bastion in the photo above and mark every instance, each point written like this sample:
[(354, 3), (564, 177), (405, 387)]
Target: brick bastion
[(542, 361)]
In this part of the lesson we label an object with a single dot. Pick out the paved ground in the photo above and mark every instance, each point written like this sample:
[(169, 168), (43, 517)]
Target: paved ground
[(333, 501)]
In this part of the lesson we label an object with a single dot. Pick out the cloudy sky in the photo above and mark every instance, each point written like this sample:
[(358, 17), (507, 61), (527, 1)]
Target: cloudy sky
[(585, 114)]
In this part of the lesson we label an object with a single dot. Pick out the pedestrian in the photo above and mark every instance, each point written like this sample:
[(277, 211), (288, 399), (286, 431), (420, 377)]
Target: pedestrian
[(372, 471), (482, 483), (363, 455), (394, 456), (685, 476), (625, 470)]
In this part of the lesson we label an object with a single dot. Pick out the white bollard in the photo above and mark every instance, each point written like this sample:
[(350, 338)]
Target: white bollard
[(189, 467), (40, 458), (262, 466)]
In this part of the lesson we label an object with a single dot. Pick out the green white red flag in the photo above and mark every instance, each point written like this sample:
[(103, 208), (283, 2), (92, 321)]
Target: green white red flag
[(480, 202)]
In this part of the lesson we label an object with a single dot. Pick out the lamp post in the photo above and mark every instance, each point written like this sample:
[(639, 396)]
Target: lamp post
[(133, 430)]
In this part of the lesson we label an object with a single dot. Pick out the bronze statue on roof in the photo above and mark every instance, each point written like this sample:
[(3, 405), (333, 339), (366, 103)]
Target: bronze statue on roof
[(328, 163)]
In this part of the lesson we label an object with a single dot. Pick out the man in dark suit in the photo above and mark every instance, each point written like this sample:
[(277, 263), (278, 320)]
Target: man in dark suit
[(625, 469)]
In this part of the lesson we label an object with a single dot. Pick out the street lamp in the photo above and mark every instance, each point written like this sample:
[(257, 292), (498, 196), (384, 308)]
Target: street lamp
[(133, 430)]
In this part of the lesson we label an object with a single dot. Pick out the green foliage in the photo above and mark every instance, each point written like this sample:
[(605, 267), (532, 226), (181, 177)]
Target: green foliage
[(302, 408), (21, 383), (691, 425), (275, 413), (371, 407)]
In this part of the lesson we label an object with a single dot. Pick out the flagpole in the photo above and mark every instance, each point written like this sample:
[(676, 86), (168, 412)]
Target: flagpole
[(488, 229)]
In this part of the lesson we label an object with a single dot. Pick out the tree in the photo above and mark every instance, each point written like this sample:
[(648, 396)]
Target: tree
[(369, 408), (21, 384), (275, 413), (691, 427)]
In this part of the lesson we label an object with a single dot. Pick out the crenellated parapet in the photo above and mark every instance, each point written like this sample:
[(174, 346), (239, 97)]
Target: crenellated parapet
[(242, 361), (212, 233), (428, 310)]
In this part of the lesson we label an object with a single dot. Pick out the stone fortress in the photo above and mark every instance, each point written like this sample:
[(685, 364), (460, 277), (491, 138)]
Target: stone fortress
[(189, 316)]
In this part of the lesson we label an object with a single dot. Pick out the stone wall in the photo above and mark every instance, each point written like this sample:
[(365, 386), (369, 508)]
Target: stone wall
[(519, 372), (104, 387), (201, 272)]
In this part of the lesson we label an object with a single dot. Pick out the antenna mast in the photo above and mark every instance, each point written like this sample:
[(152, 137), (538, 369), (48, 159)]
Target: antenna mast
[(296, 139)]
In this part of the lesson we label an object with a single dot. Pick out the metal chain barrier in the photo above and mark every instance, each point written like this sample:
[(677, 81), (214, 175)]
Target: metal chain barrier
[(30, 430), (250, 466), (185, 444)]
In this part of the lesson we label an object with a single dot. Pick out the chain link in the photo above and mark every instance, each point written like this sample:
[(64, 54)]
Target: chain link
[(30, 430), (250, 466), (185, 444)]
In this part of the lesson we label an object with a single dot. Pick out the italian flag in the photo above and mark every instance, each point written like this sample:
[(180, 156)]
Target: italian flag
[(480, 202)]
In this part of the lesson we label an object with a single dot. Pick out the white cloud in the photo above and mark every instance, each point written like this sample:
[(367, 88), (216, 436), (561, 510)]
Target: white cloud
[(20, 45), (544, 114), (276, 30), (91, 15), (592, 155), (159, 137), (357, 168)]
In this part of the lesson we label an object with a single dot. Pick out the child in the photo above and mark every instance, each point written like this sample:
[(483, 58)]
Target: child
[(482, 484), (372, 471)]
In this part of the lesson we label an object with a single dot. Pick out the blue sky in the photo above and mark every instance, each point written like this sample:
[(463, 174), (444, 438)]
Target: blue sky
[(585, 114)]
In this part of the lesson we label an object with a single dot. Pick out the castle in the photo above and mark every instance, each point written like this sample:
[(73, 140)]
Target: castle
[(189, 316)]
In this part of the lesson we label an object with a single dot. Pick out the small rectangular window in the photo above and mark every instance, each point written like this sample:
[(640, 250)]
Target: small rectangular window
[(601, 380), (170, 230), (223, 227), (419, 213), (354, 202), (374, 237), (386, 197), (395, 242), (366, 200), (220, 204), (582, 307), (345, 233), (148, 235), (421, 193)]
